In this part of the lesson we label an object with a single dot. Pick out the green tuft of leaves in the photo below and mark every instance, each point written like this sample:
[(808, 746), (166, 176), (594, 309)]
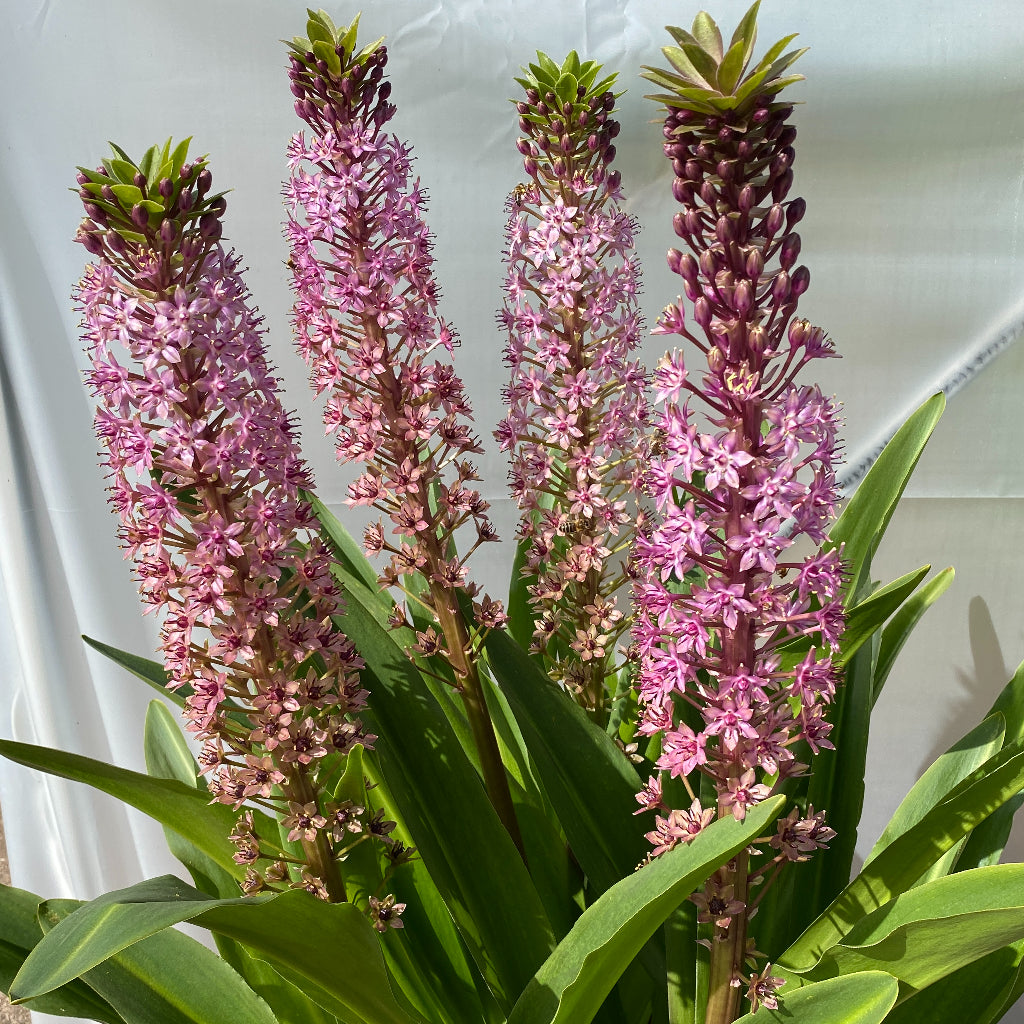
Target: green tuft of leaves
[(710, 78), (574, 81), (336, 47)]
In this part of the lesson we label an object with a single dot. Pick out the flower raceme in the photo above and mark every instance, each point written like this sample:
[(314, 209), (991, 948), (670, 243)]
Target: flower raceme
[(734, 634), (367, 323), (577, 405), (205, 474)]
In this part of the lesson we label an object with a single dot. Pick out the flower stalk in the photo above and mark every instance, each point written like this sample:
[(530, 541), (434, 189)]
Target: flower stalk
[(577, 405), (743, 468), (205, 474), (366, 322)]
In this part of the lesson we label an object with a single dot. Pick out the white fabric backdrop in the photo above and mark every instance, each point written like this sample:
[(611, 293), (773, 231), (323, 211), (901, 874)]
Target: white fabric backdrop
[(910, 153)]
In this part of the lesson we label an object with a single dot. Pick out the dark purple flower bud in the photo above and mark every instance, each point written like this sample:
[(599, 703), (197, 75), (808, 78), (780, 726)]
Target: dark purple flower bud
[(682, 190), (613, 129), (754, 265), (688, 268), (94, 243), (522, 108), (139, 216), (204, 181), (530, 166), (81, 178), (708, 265), (558, 167), (725, 169), (168, 230), (93, 211), (166, 188), (185, 171), (218, 206), (672, 258), (795, 212), (708, 193), (592, 143), (744, 150), (801, 280), (781, 286), (691, 290), (116, 243), (781, 187), (108, 193), (609, 154), (743, 298), (679, 225), (523, 145), (186, 200), (725, 230), (760, 116), (139, 181), (746, 199), (209, 227), (773, 222), (692, 171), (787, 137), (790, 250), (565, 144), (532, 95), (693, 223), (557, 126), (384, 91), (702, 312), (542, 109), (615, 178), (297, 90), (191, 247)]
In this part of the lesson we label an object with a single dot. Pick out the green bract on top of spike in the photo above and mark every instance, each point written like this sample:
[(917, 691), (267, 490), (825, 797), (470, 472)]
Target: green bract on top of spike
[(711, 79), (335, 47), (574, 82), (136, 196)]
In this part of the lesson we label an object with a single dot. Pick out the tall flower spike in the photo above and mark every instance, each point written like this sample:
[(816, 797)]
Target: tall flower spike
[(205, 474), (744, 468), (577, 408), (366, 321)]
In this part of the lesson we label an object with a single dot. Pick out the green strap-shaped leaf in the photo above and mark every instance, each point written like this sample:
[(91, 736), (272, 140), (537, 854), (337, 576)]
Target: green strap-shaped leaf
[(864, 998), (861, 526), (942, 775), (980, 992), (898, 631), (343, 545), (985, 844), (927, 933), (447, 813), (20, 931), (579, 974), (906, 859), (168, 757), (169, 978), (327, 949), (149, 671), (588, 780), (868, 615), (178, 806)]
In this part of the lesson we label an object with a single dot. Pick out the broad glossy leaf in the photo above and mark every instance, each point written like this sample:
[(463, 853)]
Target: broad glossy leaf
[(861, 526), (302, 937), (942, 775), (170, 978), (19, 933), (343, 545), (898, 631), (864, 998), (908, 856), (447, 813), (935, 929), (705, 32), (168, 757), (181, 808), (588, 780), (579, 974), (867, 615), (985, 844), (146, 669), (977, 992)]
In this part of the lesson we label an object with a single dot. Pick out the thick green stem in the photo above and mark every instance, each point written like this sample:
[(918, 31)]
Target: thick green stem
[(727, 953)]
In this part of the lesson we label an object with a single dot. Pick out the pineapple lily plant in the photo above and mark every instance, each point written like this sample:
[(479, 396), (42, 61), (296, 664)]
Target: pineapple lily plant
[(626, 792)]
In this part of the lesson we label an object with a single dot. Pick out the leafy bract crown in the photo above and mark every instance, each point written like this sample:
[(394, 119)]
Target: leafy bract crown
[(335, 47), (710, 79), (574, 84)]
